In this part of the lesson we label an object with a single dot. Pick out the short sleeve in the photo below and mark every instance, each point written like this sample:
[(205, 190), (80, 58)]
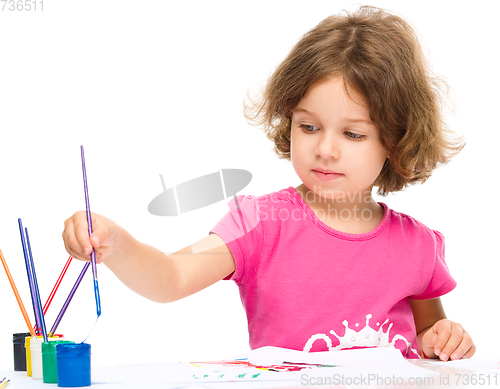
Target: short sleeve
[(241, 230), (441, 281)]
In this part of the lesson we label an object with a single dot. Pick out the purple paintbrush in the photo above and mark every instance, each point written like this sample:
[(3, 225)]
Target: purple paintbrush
[(37, 292), (68, 300), (89, 222)]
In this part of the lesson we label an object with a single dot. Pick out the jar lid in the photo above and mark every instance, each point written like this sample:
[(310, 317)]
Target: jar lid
[(72, 349)]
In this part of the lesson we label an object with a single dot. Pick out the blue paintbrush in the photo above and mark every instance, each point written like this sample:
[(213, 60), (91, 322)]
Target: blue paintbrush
[(37, 292)]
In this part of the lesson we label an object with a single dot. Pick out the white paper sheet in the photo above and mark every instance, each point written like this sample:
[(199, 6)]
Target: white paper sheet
[(470, 364), (365, 366)]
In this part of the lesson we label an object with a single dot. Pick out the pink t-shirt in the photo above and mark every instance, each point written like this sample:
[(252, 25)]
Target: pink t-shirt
[(306, 286)]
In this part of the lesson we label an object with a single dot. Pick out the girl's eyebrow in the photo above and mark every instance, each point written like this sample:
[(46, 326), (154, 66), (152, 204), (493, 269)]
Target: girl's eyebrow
[(351, 120), (297, 109), (359, 120)]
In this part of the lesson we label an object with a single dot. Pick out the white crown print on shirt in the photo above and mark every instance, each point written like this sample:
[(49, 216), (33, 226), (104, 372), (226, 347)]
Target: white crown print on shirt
[(366, 337)]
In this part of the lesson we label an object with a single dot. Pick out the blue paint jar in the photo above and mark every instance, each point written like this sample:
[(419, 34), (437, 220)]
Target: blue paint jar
[(73, 364)]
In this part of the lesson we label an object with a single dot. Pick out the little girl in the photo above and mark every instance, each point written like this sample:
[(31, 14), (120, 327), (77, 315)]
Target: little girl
[(323, 266)]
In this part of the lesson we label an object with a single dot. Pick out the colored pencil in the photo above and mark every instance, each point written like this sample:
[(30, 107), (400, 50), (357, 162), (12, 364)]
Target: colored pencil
[(37, 292), (16, 293), (89, 222), (30, 277)]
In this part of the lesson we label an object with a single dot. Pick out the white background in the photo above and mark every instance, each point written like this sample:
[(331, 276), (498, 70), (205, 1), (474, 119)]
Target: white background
[(152, 87)]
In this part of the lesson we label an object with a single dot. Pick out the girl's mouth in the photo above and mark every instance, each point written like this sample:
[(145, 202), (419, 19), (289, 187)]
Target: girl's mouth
[(327, 176)]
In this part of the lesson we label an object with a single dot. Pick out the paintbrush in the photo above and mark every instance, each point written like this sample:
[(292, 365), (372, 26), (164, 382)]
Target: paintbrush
[(89, 222), (30, 277), (56, 286), (37, 292), (16, 293), (68, 299)]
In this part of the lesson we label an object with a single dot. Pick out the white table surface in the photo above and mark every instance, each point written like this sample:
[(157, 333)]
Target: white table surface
[(450, 377)]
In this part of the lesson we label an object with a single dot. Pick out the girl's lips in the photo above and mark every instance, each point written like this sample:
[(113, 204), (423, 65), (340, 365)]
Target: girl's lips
[(323, 170), (327, 176)]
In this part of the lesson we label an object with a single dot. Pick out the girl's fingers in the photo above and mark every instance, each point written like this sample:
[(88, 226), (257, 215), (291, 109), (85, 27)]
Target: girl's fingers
[(442, 329), (74, 253), (470, 352), (455, 335), (99, 236), (82, 236), (450, 340), (463, 347), (70, 242), (76, 236)]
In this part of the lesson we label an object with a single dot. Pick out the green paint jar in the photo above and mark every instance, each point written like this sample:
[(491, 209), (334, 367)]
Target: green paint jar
[(49, 364)]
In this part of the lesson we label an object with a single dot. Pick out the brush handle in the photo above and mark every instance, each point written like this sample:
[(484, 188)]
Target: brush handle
[(87, 207), (56, 286), (30, 277), (68, 299), (16, 293), (37, 292), (89, 222)]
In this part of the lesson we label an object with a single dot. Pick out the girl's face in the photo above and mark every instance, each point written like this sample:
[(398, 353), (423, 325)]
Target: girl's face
[(333, 134)]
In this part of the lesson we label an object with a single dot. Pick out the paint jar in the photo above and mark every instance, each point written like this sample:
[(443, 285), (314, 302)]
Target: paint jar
[(36, 357), (73, 364), (27, 343), (19, 351), (49, 360)]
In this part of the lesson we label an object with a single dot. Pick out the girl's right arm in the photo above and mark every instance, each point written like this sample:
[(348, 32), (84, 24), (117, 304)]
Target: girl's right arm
[(144, 269)]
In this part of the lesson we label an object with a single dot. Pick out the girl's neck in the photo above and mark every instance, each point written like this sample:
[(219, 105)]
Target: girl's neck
[(353, 213)]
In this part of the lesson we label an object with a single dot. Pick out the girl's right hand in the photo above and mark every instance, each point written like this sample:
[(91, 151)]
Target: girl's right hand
[(104, 238)]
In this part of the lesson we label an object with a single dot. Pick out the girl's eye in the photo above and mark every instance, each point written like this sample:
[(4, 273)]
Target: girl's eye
[(353, 136), (308, 127)]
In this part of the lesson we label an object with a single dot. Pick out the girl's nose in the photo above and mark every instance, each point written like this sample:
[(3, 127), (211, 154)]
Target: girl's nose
[(328, 147)]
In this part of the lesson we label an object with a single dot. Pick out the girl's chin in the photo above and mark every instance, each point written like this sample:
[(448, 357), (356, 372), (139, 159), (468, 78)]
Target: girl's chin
[(323, 193), (314, 192)]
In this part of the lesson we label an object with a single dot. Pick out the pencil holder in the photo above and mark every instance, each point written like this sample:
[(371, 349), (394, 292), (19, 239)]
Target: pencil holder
[(49, 365), (73, 364), (36, 358), (19, 351)]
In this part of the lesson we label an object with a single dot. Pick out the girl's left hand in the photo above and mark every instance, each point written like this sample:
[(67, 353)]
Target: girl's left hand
[(447, 340)]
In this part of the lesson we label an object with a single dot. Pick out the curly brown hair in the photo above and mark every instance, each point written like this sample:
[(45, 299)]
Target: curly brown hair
[(381, 61)]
